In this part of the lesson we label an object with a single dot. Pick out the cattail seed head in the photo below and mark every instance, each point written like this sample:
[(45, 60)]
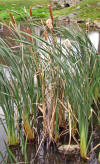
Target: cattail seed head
[(29, 32), (67, 42), (30, 12), (87, 27), (45, 35), (49, 24), (12, 18), (51, 14)]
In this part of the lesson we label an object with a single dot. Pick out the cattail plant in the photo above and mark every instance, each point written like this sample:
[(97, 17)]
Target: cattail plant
[(8, 108), (58, 81)]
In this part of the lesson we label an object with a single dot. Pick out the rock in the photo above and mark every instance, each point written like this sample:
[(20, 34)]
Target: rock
[(98, 3), (43, 12), (92, 24), (75, 13), (80, 21), (39, 6), (78, 7), (69, 149), (97, 24), (72, 15), (56, 6), (34, 8), (63, 18), (87, 5), (65, 3)]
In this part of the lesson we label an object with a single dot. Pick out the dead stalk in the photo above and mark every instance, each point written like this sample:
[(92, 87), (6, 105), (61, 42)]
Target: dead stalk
[(94, 149)]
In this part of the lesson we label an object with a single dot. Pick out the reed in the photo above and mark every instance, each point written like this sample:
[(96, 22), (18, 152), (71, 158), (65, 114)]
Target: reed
[(79, 66), (57, 79), (8, 108), (18, 93)]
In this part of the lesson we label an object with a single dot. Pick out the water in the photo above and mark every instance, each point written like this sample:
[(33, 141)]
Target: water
[(94, 37), (2, 134), (46, 154)]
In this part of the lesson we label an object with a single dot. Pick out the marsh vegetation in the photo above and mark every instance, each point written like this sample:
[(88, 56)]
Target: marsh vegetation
[(53, 87)]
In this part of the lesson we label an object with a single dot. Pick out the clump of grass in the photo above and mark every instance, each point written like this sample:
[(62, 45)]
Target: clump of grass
[(60, 79)]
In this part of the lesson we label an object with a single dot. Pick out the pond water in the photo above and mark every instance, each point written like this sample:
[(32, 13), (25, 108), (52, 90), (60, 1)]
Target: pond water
[(94, 37), (50, 155), (2, 135)]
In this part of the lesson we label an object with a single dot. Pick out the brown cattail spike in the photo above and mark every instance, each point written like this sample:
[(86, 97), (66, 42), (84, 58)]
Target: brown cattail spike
[(12, 18), (87, 27), (30, 12), (29, 32), (51, 14), (45, 35), (68, 44)]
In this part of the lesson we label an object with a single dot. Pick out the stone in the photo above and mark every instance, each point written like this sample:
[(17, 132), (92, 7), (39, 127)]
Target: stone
[(87, 5), (65, 3), (72, 15), (78, 7), (98, 3), (34, 8), (69, 149), (56, 6), (64, 18), (43, 12), (80, 21), (39, 6), (92, 24), (97, 24), (75, 13)]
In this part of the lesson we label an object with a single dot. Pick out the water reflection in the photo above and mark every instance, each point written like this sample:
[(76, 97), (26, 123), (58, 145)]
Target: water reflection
[(51, 156)]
